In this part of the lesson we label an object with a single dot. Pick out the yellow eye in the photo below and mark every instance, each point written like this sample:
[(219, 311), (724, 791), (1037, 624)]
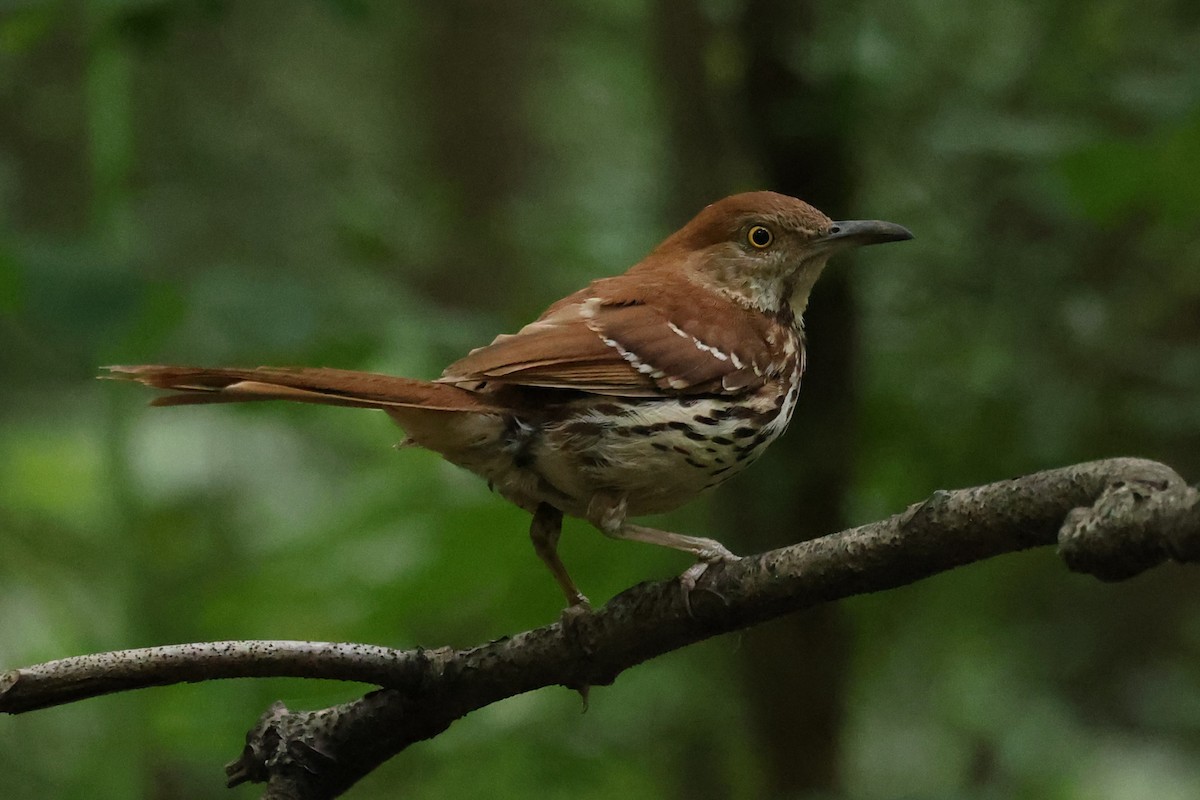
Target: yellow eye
[(759, 237)]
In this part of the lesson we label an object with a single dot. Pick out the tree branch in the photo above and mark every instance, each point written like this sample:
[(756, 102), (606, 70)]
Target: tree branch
[(70, 679), (1112, 518)]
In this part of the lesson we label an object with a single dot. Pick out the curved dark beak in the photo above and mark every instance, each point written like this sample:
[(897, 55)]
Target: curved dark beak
[(858, 232)]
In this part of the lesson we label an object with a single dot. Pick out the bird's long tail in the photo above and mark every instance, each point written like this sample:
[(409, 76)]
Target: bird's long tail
[(324, 386)]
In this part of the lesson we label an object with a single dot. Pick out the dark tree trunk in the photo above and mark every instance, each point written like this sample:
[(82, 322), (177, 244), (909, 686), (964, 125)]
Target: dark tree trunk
[(790, 132), (796, 668), (472, 96)]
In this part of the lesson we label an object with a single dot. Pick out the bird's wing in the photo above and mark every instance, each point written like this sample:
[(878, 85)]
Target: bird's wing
[(610, 342)]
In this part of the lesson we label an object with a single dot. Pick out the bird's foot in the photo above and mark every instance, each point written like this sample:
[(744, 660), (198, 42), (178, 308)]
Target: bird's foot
[(717, 554), (574, 623), (578, 607)]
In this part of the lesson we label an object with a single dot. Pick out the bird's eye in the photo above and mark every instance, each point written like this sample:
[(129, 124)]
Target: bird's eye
[(759, 237)]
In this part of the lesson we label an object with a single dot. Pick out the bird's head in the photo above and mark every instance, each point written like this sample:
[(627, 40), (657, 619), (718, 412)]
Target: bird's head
[(765, 249)]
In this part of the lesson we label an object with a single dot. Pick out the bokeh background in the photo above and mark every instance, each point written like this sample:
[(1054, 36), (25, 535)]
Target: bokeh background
[(383, 185)]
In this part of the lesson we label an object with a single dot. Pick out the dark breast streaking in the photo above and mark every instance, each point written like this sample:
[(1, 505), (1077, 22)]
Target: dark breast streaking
[(657, 453)]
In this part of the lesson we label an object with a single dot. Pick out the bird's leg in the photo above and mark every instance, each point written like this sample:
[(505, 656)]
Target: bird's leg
[(707, 551), (608, 514), (544, 531)]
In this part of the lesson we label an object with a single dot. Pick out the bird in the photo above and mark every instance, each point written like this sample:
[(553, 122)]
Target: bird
[(627, 398)]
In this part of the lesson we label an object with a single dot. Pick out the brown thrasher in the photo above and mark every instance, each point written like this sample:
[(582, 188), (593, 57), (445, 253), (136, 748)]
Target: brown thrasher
[(629, 397)]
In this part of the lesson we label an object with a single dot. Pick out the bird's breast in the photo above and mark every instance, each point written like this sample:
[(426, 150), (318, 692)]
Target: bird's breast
[(660, 453), (657, 452)]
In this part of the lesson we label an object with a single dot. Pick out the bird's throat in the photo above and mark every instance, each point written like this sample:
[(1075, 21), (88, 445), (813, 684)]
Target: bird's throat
[(802, 283)]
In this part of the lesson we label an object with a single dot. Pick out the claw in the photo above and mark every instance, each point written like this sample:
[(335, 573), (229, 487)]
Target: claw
[(579, 608), (574, 622), (687, 581)]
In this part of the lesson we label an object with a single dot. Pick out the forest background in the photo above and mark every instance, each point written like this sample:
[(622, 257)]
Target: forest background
[(384, 185)]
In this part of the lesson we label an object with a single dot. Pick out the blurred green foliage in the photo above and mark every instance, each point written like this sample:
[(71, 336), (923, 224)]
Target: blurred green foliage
[(385, 185)]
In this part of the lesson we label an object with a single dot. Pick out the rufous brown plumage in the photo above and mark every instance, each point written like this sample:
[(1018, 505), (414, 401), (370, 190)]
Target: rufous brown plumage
[(628, 397)]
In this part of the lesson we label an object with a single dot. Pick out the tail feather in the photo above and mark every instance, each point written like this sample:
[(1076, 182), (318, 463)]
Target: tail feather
[(321, 385)]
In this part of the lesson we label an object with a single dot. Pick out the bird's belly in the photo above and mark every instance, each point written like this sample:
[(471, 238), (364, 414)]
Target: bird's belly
[(657, 454)]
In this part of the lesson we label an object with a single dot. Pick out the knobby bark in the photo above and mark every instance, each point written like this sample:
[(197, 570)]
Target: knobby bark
[(1112, 518)]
